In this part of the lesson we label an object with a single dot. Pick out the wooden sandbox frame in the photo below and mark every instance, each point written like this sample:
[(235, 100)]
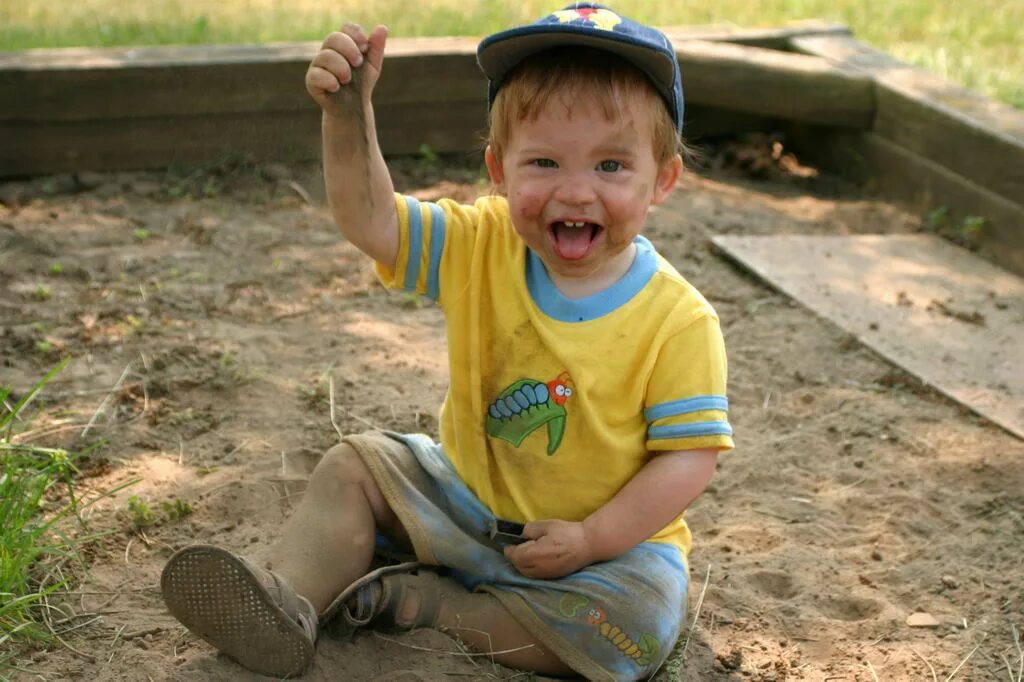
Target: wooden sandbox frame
[(853, 110)]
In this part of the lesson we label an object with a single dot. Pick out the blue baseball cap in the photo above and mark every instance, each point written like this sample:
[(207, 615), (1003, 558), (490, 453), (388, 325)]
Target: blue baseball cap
[(592, 25)]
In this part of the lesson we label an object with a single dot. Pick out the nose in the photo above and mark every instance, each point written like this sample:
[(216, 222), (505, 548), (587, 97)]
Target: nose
[(574, 189)]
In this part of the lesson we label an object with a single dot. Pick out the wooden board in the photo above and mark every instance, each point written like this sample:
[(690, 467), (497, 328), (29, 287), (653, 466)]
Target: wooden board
[(76, 109), (773, 83), (968, 133), (944, 315), (923, 185)]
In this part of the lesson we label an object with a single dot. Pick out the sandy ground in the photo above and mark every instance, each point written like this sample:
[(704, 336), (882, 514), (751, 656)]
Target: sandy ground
[(224, 306)]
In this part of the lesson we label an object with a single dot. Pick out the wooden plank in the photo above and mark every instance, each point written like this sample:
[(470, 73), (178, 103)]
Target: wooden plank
[(971, 135), (51, 85), (949, 318), (33, 148), (109, 144), (919, 183), (775, 38), (221, 86), (772, 83), (704, 121)]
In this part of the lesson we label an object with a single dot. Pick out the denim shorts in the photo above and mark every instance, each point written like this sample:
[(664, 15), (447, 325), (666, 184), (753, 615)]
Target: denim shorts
[(614, 620)]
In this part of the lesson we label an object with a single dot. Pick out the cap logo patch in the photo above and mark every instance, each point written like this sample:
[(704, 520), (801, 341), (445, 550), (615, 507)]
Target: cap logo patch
[(599, 18)]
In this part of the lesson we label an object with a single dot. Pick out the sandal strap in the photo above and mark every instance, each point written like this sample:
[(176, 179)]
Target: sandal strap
[(294, 605), (426, 585), (340, 605)]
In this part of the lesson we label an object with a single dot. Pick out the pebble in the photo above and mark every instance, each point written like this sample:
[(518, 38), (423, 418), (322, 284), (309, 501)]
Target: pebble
[(922, 620), (950, 582)]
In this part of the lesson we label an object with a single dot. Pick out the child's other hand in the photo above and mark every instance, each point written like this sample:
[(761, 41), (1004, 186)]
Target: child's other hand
[(553, 549), (343, 55)]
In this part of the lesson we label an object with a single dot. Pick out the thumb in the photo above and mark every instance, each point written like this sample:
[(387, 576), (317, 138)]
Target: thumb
[(375, 51)]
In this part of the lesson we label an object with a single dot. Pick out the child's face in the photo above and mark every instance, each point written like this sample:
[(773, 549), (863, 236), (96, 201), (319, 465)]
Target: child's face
[(579, 187)]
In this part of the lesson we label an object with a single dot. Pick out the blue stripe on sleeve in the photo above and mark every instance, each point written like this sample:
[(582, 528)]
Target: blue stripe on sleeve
[(677, 407), (437, 235), (717, 428), (412, 267)]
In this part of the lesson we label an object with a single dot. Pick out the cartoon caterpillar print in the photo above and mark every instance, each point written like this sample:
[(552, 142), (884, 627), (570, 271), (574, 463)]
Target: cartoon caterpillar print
[(525, 406), (643, 651)]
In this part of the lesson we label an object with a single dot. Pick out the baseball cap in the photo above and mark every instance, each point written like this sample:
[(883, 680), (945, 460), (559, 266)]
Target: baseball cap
[(591, 25)]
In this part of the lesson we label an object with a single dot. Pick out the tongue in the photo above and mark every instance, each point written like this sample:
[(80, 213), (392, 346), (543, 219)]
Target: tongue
[(572, 243)]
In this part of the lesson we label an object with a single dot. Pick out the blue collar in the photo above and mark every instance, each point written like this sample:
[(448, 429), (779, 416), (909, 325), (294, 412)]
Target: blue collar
[(553, 304)]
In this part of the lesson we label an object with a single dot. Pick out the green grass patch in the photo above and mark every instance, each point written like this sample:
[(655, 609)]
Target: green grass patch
[(976, 44), (37, 497)]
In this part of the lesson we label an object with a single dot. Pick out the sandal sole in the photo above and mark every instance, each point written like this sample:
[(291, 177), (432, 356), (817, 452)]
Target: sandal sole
[(212, 593)]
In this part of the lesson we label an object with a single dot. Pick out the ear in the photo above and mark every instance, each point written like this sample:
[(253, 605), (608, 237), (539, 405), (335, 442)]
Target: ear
[(667, 178), (494, 169)]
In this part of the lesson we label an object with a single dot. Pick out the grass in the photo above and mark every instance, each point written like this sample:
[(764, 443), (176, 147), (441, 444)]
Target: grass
[(977, 44), (32, 512)]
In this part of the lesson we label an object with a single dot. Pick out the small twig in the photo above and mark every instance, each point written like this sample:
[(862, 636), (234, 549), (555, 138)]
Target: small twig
[(934, 677), (300, 190), (700, 605), (957, 669), (451, 653), (330, 383), (81, 625), (114, 643), (88, 657), (103, 405), (361, 420), (1020, 650), (871, 669), (126, 548)]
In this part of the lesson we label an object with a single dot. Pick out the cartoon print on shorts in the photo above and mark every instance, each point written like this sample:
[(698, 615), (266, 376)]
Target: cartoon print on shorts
[(643, 651), (598, 17), (525, 406)]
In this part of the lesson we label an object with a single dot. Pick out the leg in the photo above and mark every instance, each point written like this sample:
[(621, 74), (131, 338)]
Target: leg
[(408, 601), (479, 620), (328, 541), (265, 620)]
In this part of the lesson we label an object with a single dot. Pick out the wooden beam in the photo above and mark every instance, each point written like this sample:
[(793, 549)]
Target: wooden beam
[(969, 134), (72, 109), (768, 82), (919, 183)]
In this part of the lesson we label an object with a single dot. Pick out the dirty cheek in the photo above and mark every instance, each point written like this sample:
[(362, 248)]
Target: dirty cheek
[(528, 204)]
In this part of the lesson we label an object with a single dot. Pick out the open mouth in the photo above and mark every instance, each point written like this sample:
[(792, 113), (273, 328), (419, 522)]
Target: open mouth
[(573, 239)]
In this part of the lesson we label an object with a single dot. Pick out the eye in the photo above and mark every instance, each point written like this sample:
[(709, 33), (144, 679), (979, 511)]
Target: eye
[(559, 390), (568, 392), (609, 166), (544, 163)]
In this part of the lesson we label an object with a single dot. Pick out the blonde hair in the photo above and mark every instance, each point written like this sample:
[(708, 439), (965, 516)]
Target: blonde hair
[(568, 74)]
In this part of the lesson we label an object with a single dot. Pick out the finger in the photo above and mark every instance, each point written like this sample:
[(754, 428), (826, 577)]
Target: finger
[(356, 32), (318, 78), (344, 45), (334, 63), (375, 49)]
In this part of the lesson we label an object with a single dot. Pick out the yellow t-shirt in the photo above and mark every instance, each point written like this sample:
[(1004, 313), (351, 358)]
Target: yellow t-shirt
[(555, 403)]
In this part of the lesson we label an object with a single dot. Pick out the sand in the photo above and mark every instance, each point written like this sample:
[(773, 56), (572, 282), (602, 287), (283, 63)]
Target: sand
[(228, 306)]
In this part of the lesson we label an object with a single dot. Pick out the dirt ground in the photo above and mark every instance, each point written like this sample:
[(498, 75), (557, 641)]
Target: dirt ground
[(210, 312)]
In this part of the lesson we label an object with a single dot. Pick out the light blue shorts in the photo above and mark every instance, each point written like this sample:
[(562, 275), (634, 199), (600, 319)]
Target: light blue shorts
[(615, 620)]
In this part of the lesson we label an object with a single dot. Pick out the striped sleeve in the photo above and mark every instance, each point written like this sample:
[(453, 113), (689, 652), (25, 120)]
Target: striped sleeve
[(686, 407), (422, 230)]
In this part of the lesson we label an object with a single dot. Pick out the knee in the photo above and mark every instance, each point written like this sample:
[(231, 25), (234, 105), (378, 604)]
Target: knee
[(340, 466)]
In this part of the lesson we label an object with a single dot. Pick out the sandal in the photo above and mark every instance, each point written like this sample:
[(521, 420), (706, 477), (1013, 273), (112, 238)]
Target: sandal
[(247, 612), (379, 595)]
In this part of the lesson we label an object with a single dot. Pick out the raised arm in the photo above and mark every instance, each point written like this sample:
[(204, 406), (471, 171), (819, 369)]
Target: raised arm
[(341, 79), (659, 492)]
